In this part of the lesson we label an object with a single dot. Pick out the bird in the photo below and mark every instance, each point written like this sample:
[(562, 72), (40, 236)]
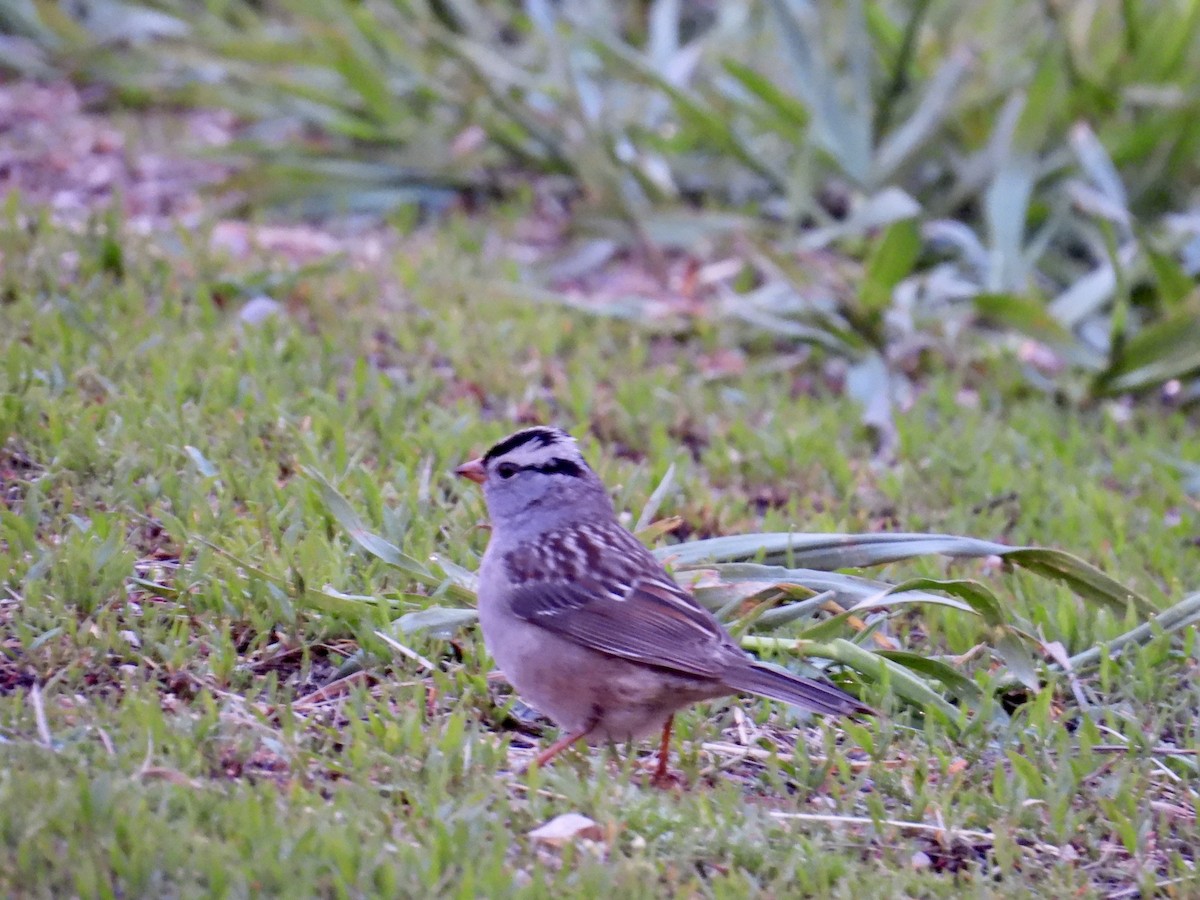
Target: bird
[(586, 624)]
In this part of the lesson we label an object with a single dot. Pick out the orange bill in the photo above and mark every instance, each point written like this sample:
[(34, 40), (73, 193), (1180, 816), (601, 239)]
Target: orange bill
[(473, 470)]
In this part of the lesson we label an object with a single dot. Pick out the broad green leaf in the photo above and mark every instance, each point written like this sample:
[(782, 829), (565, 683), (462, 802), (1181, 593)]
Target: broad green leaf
[(365, 76), (787, 613), (900, 595), (977, 596), (825, 629), (1167, 349), (1096, 163), (1089, 295), (870, 382), (1006, 210), (1174, 284), (1016, 655), (652, 532), (1084, 579), (1023, 314), (956, 682)]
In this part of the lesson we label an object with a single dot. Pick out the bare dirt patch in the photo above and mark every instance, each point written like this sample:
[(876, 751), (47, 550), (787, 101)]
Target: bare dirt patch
[(58, 154)]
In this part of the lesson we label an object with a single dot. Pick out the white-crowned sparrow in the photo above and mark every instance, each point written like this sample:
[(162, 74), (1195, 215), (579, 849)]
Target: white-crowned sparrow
[(585, 623)]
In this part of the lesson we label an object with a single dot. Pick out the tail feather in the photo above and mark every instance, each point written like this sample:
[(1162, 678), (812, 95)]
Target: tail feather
[(777, 684)]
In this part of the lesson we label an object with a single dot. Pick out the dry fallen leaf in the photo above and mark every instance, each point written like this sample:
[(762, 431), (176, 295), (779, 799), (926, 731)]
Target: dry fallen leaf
[(567, 827)]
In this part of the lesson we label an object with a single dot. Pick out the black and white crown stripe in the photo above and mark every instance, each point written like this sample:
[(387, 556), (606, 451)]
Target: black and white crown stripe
[(546, 450)]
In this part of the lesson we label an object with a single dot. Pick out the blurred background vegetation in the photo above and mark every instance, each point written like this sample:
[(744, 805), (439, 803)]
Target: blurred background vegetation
[(979, 172)]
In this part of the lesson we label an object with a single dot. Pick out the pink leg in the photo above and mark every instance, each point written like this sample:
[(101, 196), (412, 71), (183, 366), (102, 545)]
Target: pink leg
[(558, 747), (662, 774)]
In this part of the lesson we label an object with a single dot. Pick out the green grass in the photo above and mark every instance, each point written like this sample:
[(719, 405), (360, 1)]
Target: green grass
[(159, 543)]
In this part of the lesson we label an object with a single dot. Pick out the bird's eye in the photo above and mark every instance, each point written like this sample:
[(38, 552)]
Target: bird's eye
[(506, 470)]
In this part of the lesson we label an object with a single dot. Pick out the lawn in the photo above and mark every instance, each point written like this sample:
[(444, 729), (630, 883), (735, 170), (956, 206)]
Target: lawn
[(808, 282), (202, 693)]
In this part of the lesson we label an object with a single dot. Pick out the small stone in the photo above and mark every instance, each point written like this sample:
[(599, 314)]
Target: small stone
[(259, 309)]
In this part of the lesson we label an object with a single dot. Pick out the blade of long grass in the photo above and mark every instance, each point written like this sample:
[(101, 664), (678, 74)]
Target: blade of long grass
[(349, 606), (1024, 315), (440, 621), (339, 507), (1089, 295), (977, 597), (715, 128), (842, 131), (899, 147), (787, 613), (789, 115), (1006, 211), (1098, 166), (1183, 614), (839, 551), (848, 590), (650, 510), (827, 551)]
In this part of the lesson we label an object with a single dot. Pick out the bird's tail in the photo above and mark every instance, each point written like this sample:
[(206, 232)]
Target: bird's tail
[(819, 696)]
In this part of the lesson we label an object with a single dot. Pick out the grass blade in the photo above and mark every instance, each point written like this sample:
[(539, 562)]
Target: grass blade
[(899, 147), (839, 551), (339, 507), (848, 141), (1182, 615)]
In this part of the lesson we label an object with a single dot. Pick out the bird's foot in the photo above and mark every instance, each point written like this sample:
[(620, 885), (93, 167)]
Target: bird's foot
[(668, 780), (662, 776)]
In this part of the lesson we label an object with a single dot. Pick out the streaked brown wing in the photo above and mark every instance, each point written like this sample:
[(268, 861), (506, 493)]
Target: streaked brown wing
[(653, 622)]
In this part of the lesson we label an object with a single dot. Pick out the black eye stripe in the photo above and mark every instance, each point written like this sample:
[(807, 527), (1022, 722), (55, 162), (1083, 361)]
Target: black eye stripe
[(559, 467), (550, 467)]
